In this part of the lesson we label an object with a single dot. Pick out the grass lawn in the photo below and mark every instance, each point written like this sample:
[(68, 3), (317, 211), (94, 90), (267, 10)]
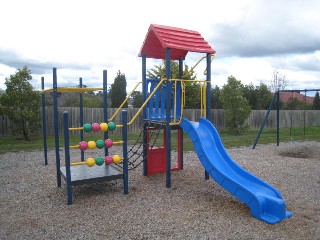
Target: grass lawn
[(12, 144)]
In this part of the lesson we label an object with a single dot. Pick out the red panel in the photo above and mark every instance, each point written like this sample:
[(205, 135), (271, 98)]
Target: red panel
[(179, 40), (156, 160)]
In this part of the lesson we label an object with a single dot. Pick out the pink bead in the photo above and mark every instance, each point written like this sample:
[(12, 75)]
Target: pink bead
[(108, 160), (83, 145), (96, 127), (108, 143)]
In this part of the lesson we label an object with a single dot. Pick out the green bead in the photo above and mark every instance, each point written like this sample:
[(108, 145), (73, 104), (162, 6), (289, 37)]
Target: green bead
[(87, 127), (100, 144), (99, 161), (111, 126)]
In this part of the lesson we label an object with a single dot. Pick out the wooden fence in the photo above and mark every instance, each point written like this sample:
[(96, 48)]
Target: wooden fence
[(288, 118)]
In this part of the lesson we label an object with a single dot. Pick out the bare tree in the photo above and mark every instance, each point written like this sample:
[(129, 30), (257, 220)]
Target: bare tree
[(278, 81)]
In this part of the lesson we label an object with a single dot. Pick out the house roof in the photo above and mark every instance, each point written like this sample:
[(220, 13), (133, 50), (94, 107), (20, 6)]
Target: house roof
[(286, 97), (179, 40)]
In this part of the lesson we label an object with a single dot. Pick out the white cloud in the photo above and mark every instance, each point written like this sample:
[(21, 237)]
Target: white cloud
[(82, 38)]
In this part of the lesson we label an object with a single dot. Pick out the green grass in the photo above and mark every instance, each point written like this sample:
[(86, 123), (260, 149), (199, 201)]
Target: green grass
[(13, 144)]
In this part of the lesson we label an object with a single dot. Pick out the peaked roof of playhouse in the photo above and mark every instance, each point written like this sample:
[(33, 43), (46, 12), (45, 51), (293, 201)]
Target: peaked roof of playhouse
[(179, 40)]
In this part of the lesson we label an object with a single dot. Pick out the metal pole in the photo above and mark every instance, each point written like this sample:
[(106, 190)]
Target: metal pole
[(264, 121), (67, 157), (208, 98), (105, 106), (278, 117), (44, 123), (168, 119), (304, 115), (180, 132), (125, 152), (56, 125), (81, 117), (144, 114)]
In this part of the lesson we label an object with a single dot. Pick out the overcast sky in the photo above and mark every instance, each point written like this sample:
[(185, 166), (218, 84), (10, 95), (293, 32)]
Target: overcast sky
[(81, 38)]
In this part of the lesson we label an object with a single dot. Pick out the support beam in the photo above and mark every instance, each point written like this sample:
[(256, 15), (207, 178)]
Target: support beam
[(168, 119), (56, 125)]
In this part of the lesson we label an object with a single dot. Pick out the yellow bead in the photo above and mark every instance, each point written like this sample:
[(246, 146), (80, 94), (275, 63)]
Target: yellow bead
[(91, 162), (104, 127), (92, 145), (116, 159)]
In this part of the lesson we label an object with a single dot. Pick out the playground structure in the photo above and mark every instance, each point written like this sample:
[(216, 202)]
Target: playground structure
[(276, 98), (162, 109), (78, 173)]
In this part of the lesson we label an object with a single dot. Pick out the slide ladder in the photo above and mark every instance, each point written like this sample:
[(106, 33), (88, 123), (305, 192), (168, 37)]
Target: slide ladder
[(265, 201)]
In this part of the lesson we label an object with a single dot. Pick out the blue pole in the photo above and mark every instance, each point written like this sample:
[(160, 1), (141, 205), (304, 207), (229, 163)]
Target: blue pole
[(304, 115), (56, 125), (44, 124), (180, 136), (168, 119), (264, 121), (81, 117), (105, 106), (208, 98), (278, 117), (125, 152), (208, 91), (144, 114), (67, 157)]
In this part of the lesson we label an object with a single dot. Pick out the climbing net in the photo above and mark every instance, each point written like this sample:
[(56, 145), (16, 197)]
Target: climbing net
[(135, 153)]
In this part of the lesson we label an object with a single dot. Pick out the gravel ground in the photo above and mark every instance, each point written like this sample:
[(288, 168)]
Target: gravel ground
[(33, 207)]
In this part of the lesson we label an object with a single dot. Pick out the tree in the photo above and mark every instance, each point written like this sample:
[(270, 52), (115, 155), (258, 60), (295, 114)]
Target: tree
[(259, 97), (316, 102), (192, 88), (236, 107), (137, 99), (251, 94), (264, 97), (215, 98), (21, 103), (278, 81), (118, 90)]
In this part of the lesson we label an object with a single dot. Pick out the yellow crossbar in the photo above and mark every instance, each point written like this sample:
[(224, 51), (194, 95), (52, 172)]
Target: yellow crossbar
[(79, 90)]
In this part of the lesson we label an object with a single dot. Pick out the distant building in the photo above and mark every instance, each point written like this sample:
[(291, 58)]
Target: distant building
[(286, 97)]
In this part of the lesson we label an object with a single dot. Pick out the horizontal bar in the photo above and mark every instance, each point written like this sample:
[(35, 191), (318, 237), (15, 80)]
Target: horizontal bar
[(74, 129), (304, 90), (80, 90), (74, 146)]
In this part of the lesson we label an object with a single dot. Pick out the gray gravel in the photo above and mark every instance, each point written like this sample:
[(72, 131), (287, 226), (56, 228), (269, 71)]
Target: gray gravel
[(33, 207)]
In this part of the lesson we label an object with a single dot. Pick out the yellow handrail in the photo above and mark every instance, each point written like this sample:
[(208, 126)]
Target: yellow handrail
[(183, 103), (205, 71), (212, 57), (119, 108), (203, 100), (196, 64), (146, 101)]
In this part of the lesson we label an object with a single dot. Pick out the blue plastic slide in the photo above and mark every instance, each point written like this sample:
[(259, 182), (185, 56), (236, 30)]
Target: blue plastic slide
[(265, 201)]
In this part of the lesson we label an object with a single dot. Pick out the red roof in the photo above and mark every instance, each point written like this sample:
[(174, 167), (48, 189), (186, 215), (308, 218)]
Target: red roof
[(286, 97), (179, 40)]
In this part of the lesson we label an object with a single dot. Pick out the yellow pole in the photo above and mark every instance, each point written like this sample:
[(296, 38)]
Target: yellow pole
[(74, 129), (119, 108), (78, 163)]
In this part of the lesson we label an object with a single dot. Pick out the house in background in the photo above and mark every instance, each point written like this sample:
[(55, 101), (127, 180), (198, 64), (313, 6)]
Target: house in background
[(286, 97)]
